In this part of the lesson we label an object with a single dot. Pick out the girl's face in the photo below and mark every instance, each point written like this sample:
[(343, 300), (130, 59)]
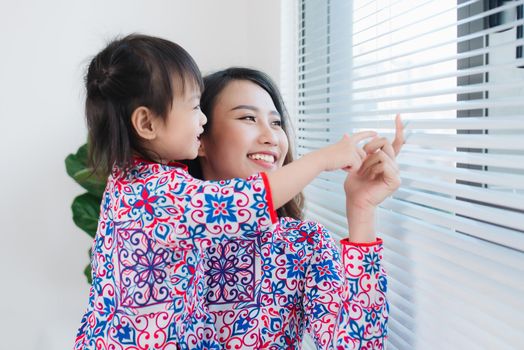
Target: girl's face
[(246, 136), (178, 137)]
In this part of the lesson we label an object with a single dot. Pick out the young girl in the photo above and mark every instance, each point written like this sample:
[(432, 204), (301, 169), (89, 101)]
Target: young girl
[(156, 221)]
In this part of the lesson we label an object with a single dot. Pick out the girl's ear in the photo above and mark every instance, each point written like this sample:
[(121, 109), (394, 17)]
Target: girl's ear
[(143, 122)]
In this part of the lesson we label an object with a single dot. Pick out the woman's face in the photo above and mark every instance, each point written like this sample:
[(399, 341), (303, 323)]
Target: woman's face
[(246, 136)]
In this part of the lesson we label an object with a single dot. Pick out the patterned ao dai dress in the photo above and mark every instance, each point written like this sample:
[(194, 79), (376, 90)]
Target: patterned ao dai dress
[(168, 246), (266, 292)]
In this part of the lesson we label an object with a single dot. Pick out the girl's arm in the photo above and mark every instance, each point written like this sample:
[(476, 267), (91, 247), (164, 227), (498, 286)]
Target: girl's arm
[(188, 213), (288, 181)]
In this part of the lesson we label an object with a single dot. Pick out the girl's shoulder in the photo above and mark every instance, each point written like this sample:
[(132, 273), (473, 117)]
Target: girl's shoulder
[(143, 170)]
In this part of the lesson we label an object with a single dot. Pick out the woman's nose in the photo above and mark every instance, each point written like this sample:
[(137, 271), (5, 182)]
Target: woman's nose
[(268, 135)]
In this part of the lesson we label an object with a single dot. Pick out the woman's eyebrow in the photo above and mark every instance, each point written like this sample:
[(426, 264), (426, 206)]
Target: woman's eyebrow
[(253, 108)]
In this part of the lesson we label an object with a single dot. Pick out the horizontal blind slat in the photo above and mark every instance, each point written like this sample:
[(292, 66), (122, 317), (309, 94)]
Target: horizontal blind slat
[(357, 19), (452, 222), (473, 123), (504, 180), (494, 215), (469, 277), (329, 51), (466, 20), (409, 108), (433, 208), (494, 142), (463, 247), (328, 77), (454, 232), (479, 194), (325, 28), (487, 159), (484, 87), (475, 303), (412, 8)]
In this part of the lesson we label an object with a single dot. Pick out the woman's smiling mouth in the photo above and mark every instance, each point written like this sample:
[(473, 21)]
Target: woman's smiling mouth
[(261, 158)]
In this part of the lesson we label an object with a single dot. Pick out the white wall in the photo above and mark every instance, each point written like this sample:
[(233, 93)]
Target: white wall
[(44, 46)]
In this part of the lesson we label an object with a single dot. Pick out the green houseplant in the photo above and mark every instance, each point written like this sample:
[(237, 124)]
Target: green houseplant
[(85, 207)]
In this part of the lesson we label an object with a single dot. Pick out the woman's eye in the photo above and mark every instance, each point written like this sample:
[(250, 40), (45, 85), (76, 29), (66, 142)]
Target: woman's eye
[(277, 123), (248, 118)]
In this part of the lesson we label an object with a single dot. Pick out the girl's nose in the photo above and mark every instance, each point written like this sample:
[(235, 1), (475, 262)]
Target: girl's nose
[(203, 119)]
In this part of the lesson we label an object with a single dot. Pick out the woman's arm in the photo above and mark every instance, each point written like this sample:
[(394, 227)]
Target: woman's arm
[(377, 178), (363, 315), (363, 310), (344, 297)]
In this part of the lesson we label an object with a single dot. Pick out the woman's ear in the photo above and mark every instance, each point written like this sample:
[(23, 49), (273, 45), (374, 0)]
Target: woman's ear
[(144, 123)]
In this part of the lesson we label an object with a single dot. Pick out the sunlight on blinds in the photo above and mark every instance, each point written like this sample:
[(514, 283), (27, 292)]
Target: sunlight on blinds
[(454, 232)]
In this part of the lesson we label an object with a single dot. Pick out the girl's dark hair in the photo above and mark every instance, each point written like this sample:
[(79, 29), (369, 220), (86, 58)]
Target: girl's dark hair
[(214, 84), (133, 71)]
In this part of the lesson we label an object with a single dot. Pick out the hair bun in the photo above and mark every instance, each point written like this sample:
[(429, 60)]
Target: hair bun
[(102, 81)]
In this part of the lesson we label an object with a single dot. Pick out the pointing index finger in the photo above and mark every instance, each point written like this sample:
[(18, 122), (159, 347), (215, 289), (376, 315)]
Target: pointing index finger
[(398, 142)]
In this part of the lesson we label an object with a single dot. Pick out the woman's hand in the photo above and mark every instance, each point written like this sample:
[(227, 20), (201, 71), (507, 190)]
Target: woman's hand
[(378, 176)]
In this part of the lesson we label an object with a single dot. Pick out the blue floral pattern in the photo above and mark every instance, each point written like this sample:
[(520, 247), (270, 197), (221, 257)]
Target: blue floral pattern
[(183, 264), (220, 209), (301, 285), (156, 226)]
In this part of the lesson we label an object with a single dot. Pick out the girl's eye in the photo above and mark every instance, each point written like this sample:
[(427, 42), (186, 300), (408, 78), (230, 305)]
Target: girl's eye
[(277, 123), (196, 107)]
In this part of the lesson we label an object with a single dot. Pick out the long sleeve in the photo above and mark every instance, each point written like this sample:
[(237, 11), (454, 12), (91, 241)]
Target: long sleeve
[(363, 314), (344, 297)]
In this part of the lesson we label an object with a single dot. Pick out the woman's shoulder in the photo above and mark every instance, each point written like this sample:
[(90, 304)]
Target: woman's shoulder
[(304, 230), (304, 224)]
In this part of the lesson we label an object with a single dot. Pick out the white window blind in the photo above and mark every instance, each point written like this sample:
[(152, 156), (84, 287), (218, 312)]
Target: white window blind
[(454, 231)]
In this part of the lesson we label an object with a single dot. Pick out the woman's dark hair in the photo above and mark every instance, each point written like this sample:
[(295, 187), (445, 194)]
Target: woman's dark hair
[(133, 71), (214, 84)]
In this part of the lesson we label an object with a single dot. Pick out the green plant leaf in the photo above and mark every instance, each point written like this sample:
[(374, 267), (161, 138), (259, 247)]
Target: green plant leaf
[(77, 161), (91, 182), (86, 211), (78, 169), (87, 273), (86, 207)]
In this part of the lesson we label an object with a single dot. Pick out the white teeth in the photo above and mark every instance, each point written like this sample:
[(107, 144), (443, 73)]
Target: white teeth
[(265, 157)]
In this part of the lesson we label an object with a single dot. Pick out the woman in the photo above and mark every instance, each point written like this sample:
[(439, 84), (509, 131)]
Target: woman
[(266, 291)]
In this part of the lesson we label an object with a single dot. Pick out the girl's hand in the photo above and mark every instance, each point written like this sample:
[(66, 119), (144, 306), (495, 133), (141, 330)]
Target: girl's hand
[(345, 154), (378, 176)]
